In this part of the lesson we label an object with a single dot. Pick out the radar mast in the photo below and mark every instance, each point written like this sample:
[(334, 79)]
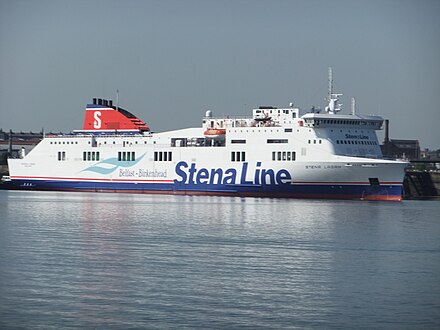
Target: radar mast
[(333, 98)]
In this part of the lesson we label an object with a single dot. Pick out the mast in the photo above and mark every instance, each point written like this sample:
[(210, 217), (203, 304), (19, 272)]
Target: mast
[(330, 83), (333, 98), (117, 99)]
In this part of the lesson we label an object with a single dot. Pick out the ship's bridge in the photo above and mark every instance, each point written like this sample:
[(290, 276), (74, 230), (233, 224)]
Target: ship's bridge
[(265, 113), (264, 116), (317, 120)]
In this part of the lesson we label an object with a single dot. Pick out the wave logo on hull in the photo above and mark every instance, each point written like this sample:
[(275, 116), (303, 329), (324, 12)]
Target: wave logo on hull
[(110, 165)]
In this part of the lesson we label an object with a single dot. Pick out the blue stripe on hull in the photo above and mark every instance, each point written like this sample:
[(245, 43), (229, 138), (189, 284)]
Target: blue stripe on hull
[(382, 192)]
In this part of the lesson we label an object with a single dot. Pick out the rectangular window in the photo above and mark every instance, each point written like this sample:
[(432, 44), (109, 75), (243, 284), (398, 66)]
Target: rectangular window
[(93, 155), (84, 155), (97, 155), (132, 156), (155, 156), (283, 155), (61, 155), (277, 141), (165, 156), (89, 155), (170, 157), (238, 156), (128, 156), (288, 130), (160, 156), (238, 141)]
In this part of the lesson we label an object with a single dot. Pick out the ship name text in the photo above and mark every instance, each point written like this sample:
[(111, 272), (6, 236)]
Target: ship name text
[(357, 136)]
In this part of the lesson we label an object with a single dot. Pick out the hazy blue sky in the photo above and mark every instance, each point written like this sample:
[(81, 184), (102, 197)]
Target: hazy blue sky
[(172, 60)]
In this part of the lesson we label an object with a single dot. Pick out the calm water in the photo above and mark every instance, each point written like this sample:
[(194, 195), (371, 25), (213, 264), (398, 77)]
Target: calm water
[(82, 260)]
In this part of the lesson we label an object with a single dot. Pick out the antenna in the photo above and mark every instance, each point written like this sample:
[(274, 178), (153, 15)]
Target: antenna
[(117, 99), (330, 82), (333, 98)]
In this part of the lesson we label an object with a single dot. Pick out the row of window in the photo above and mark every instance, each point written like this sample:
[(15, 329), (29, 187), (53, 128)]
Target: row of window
[(268, 141), (126, 156), (238, 156), (124, 143), (371, 143), (90, 155), (277, 141), (283, 155), (105, 142), (341, 122), (315, 141), (64, 142), (163, 156)]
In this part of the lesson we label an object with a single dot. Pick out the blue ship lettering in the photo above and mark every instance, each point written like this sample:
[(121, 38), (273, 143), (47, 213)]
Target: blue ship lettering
[(190, 174)]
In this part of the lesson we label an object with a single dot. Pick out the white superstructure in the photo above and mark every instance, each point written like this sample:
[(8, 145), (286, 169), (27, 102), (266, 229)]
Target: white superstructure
[(276, 152)]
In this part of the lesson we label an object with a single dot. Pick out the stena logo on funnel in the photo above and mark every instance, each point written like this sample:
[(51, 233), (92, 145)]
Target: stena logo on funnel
[(97, 119)]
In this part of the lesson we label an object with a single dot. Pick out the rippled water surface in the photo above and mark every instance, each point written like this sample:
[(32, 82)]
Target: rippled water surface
[(83, 260)]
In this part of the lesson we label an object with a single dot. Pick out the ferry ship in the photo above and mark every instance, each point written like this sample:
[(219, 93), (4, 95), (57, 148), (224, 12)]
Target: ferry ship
[(276, 152)]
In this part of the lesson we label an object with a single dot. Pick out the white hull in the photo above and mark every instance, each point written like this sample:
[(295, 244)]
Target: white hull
[(274, 153)]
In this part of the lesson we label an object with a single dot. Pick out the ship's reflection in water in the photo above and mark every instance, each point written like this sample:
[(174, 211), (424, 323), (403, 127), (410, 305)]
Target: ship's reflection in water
[(151, 261)]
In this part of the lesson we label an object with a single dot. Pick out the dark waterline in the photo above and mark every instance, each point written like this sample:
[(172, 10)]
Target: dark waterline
[(85, 260)]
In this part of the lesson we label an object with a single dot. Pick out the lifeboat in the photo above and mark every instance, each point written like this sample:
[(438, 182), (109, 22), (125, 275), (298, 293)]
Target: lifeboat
[(214, 132)]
